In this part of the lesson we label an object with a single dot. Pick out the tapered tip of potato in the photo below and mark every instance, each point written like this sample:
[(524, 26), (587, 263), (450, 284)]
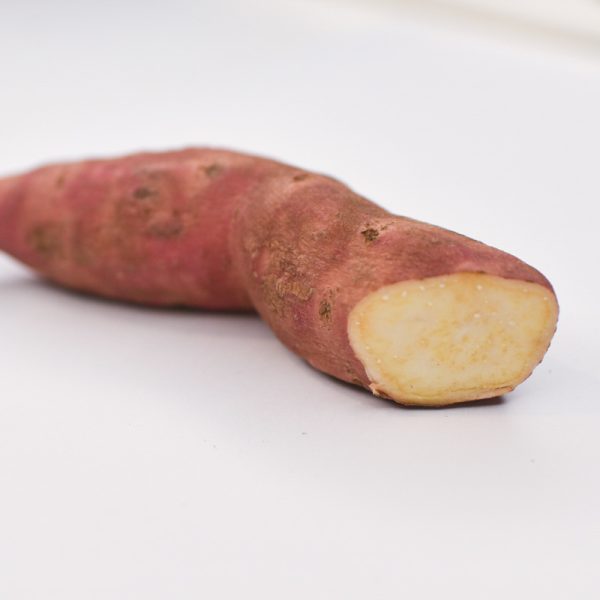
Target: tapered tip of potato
[(451, 339)]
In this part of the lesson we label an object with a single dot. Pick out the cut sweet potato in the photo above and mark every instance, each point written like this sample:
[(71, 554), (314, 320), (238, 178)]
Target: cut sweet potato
[(410, 311)]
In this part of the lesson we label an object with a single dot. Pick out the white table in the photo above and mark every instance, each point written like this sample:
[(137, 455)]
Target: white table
[(178, 455)]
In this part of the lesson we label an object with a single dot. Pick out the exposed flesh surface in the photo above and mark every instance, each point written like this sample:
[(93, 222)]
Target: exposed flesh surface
[(452, 339)]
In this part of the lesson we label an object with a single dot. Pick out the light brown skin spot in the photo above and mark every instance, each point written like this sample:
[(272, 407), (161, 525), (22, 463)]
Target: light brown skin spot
[(143, 192), (295, 288), (370, 234), (325, 310), (167, 229), (46, 240), (301, 176), (213, 170), (60, 181)]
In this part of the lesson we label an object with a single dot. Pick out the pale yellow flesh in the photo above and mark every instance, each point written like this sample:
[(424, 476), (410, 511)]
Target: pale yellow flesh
[(452, 339)]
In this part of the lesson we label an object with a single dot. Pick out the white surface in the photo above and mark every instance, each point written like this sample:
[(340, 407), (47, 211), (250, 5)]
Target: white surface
[(154, 454), (576, 16)]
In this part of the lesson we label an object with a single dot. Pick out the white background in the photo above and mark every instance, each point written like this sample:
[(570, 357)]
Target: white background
[(177, 455)]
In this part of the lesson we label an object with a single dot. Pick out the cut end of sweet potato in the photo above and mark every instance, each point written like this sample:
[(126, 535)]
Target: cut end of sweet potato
[(450, 339)]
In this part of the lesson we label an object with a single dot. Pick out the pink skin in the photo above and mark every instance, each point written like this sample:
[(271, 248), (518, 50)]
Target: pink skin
[(221, 230)]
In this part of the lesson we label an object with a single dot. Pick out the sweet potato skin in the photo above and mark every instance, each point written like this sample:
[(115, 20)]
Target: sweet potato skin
[(222, 230), (145, 228)]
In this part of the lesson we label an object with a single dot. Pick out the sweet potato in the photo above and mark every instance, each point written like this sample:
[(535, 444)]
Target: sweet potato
[(410, 311)]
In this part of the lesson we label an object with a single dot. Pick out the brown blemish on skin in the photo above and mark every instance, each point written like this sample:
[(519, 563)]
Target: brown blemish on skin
[(141, 205), (287, 266), (150, 173), (301, 176), (142, 192), (325, 310), (166, 229), (60, 181), (46, 240), (213, 170), (370, 234), (295, 288)]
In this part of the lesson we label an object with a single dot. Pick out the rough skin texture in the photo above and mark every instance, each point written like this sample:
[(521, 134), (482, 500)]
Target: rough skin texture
[(222, 230)]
